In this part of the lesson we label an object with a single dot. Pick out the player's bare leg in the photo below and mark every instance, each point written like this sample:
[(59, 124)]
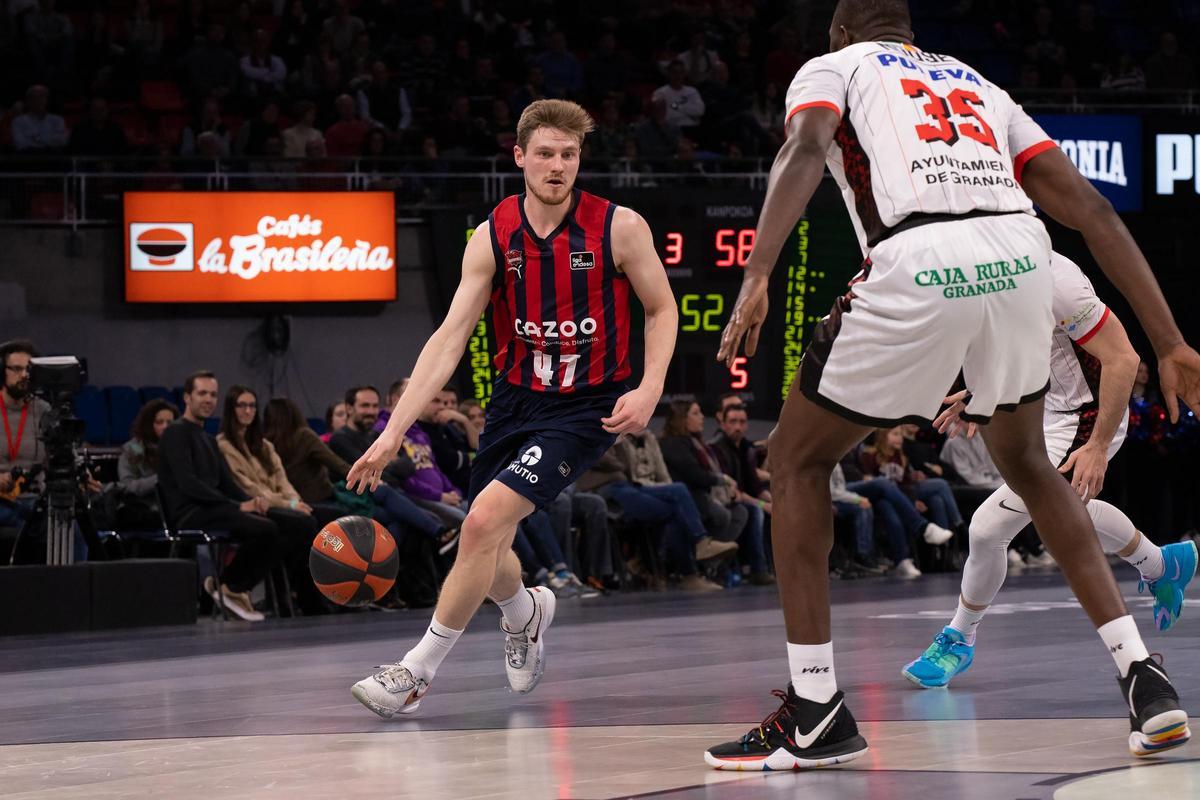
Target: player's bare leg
[(1017, 445), (817, 728), (485, 566)]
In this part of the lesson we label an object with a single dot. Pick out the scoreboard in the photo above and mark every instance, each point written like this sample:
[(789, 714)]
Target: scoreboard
[(704, 238)]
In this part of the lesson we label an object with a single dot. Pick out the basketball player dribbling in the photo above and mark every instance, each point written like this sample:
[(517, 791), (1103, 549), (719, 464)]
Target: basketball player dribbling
[(557, 265), (931, 160)]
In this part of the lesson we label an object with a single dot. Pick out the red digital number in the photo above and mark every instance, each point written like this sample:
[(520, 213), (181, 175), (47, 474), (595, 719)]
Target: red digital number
[(962, 103), (674, 248), (741, 377), (735, 245)]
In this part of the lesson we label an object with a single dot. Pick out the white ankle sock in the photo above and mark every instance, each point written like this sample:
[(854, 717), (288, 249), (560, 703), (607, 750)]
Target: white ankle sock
[(424, 659), (966, 621), (1147, 558), (811, 666), (517, 610), (1124, 642)]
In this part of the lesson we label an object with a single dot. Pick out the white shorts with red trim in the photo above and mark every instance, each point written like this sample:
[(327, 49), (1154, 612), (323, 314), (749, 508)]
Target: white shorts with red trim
[(967, 298)]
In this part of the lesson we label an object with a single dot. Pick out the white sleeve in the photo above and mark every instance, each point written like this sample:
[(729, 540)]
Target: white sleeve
[(819, 83), (1078, 311), (1026, 138)]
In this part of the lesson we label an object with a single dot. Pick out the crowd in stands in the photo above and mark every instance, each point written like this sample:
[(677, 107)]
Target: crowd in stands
[(671, 83), (667, 506)]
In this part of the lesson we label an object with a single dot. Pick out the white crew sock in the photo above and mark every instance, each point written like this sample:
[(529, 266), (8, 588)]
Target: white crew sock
[(424, 659), (1117, 531), (811, 666), (517, 610), (1147, 558), (1124, 642), (966, 621)]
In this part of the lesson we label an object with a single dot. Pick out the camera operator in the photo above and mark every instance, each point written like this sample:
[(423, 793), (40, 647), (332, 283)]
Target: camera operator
[(23, 414)]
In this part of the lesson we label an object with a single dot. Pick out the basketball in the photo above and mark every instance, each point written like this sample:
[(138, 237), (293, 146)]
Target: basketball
[(353, 561)]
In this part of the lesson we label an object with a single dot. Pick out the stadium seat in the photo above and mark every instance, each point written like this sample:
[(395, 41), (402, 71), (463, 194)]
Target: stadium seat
[(161, 96), (92, 408), (123, 406), (148, 393), (317, 424)]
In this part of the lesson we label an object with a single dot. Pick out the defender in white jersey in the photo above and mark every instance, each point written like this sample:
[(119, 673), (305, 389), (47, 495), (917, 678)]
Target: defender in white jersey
[(1092, 370), (932, 160)]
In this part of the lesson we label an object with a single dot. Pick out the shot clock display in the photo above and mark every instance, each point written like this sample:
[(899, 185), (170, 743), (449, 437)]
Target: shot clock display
[(704, 239)]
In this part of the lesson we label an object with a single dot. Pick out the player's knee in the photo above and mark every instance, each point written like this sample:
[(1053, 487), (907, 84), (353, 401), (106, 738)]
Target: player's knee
[(481, 531)]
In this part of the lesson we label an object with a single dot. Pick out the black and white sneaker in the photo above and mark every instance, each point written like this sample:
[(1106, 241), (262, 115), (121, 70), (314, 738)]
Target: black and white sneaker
[(802, 734), (1156, 722)]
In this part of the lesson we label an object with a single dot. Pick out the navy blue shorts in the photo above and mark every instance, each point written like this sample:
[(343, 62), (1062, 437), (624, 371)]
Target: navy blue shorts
[(537, 444)]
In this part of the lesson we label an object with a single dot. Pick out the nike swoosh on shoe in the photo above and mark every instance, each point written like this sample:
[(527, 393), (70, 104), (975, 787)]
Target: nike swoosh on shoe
[(806, 741)]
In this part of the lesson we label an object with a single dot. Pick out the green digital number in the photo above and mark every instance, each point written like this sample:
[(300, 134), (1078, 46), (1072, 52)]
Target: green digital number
[(701, 312)]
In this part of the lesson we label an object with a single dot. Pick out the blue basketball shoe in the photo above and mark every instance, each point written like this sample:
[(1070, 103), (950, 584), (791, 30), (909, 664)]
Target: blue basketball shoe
[(1179, 560), (949, 655)]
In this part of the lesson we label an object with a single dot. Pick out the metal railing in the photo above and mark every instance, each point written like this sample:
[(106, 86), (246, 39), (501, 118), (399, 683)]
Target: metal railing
[(87, 191)]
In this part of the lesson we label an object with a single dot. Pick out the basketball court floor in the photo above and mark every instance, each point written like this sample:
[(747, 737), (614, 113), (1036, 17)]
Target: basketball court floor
[(637, 686)]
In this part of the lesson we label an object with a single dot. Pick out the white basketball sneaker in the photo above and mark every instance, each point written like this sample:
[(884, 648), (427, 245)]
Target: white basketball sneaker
[(525, 651), (390, 691)]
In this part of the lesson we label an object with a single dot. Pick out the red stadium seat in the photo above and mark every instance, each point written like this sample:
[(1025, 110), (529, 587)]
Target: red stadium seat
[(50, 206), (161, 96)]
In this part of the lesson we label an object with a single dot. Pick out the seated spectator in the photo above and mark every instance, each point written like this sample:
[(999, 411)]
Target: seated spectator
[(252, 137), (607, 142), (257, 469), (542, 558), (633, 476), (727, 113), (607, 70), (36, 130), (737, 455), (847, 504), (135, 499), (394, 391), (970, 459), (144, 35), (564, 76), (884, 457), (375, 164), (895, 511), (208, 121), (297, 138), (342, 27), (201, 492), (97, 55), (263, 72), (453, 437), (297, 31), (589, 512), (698, 61), (693, 463), (23, 416), (335, 419), (384, 103), (1167, 68), (210, 69), (534, 88), (428, 486), (684, 105), (97, 134), (1123, 75), (51, 41), (473, 411), (655, 138), (344, 138), (319, 476)]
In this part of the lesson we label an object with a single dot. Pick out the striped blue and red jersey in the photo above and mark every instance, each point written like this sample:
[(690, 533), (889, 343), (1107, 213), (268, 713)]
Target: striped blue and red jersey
[(560, 308)]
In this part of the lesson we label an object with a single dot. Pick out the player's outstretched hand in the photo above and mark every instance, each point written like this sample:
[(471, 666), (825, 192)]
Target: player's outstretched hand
[(1089, 464), (950, 421), (632, 412), (367, 472), (746, 320), (1179, 377)]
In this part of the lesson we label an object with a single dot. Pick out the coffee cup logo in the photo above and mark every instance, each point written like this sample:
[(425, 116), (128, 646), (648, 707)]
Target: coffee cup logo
[(161, 247)]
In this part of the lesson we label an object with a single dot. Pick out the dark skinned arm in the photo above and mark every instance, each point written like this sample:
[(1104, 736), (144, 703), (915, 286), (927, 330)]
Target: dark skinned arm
[(1053, 182), (795, 175)]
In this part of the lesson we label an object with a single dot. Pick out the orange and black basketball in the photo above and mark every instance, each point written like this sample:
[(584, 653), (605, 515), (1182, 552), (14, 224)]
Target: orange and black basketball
[(353, 561)]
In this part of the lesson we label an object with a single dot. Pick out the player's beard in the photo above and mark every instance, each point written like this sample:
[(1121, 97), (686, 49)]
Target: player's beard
[(548, 199)]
